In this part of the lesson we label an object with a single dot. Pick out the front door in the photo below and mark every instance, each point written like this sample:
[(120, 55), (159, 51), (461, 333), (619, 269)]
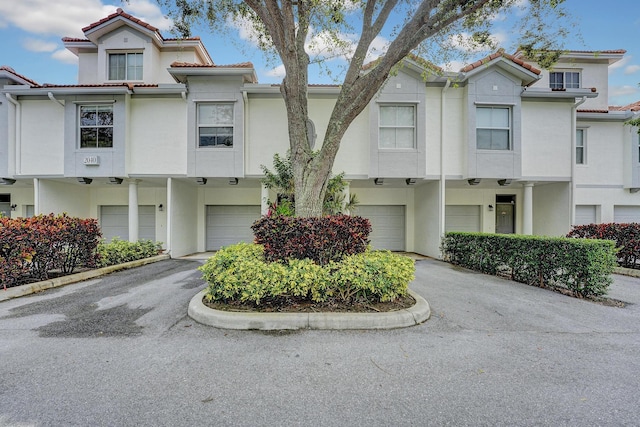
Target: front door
[(504, 219)]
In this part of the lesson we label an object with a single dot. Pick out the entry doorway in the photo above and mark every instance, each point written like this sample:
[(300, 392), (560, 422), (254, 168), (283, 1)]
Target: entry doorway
[(505, 214)]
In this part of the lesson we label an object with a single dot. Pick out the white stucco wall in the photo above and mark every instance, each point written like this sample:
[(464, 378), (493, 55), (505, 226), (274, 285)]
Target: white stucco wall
[(605, 159), (42, 142), (552, 209), (58, 197), (455, 142), (484, 197), (183, 211), (426, 217), (546, 140), (266, 133), (158, 137)]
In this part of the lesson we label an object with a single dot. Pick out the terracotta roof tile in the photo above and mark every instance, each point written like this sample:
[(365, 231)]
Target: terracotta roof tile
[(179, 64), (12, 71), (72, 39), (129, 85), (120, 12), (499, 54), (631, 107), (594, 111)]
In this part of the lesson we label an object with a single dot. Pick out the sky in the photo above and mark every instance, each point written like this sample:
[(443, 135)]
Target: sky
[(31, 32)]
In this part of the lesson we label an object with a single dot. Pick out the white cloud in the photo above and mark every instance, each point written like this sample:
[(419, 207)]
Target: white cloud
[(37, 45), (623, 90), (624, 61), (66, 18), (632, 69), (64, 55), (464, 42), (453, 66), (277, 72)]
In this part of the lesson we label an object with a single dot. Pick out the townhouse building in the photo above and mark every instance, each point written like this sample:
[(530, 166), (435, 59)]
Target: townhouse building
[(158, 141)]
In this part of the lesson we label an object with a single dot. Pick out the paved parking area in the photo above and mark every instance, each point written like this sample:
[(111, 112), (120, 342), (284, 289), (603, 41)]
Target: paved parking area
[(120, 351)]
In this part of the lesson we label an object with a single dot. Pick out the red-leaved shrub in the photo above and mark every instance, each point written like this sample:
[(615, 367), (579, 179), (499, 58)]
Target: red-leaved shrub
[(626, 236), (321, 239)]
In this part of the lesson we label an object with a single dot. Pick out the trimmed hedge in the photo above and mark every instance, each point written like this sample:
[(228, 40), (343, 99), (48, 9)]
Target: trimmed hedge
[(626, 237), (30, 248), (322, 239), (582, 266), (120, 251), (240, 273)]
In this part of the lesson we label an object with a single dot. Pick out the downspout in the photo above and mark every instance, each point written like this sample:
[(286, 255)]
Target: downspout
[(245, 125), (18, 141), (53, 98), (443, 177), (574, 122)]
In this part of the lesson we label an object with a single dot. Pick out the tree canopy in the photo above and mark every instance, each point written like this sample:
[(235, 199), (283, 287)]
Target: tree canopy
[(290, 30)]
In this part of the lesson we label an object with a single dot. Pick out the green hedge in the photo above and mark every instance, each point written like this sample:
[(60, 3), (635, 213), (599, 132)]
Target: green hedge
[(580, 265), (240, 273), (121, 251)]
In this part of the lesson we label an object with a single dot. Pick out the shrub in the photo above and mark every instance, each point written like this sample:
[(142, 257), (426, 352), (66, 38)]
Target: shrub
[(625, 236), (240, 273), (322, 240), (120, 251), (30, 248), (581, 266)]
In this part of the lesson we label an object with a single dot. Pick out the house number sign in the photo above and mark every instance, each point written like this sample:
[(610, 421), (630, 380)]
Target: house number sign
[(92, 160)]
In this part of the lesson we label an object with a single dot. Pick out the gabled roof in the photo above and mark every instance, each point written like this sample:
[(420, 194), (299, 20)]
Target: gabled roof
[(181, 70), (18, 78), (94, 31), (497, 55), (631, 107)]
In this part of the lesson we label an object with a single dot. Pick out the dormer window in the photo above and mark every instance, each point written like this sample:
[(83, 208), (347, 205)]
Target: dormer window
[(125, 66), (564, 80)]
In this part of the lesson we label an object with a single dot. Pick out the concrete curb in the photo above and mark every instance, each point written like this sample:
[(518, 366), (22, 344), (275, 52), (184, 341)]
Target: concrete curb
[(412, 316), (30, 288), (626, 271)]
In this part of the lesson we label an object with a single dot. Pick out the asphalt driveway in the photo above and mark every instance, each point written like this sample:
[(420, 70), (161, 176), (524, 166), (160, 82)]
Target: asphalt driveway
[(120, 351)]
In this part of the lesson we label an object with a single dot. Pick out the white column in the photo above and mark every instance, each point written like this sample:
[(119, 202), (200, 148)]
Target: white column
[(264, 200), (168, 208), (527, 209), (133, 210), (347, 195), (36, 196)]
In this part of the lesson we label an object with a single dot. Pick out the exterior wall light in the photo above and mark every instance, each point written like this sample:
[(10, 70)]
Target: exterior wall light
[(504, 182), (7, 181), (410, 181), (474, 181), (160, 207), (233, 181), (201, 181), (490, 208), (13, 207), (115, 180), (378, 181), (84, 180)]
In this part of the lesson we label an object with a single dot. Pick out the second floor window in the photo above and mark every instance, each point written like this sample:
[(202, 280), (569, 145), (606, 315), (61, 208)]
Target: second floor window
[(397, 126), (96, 126), (493, 128), (125, 66), (215, 125), (564, 80), (580, 147)]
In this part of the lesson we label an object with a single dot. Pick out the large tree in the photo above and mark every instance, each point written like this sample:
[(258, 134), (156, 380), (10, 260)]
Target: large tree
[(421, 27)]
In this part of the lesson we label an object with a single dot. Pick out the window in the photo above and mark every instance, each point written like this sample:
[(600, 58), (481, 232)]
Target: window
[(397, 126), (493, 128), (580, 147), (125, 66), (96, 126), (215, 125), (564, 80)]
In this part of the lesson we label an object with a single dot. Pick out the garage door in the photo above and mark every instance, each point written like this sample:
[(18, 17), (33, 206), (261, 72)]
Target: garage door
[(462, 218), (626, 214), (387, 226), (114, 221), (585, 214), (227, 225)]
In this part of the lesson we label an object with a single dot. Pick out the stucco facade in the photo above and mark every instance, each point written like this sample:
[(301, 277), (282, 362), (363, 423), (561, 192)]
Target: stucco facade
[(157, 141)]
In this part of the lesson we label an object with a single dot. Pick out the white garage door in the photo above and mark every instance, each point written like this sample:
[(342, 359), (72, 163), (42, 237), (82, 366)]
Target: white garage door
[(462, 218), (626, 214), (227, 225), (114, 221), (585, 214), (387, 226)]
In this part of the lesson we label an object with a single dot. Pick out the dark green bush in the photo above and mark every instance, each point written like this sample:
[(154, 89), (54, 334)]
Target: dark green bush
[(322, 239), (582, 266), (121, 251), (240, 273)]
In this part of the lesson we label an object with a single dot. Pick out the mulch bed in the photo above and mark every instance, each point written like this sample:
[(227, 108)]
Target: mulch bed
[(291, 305)]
